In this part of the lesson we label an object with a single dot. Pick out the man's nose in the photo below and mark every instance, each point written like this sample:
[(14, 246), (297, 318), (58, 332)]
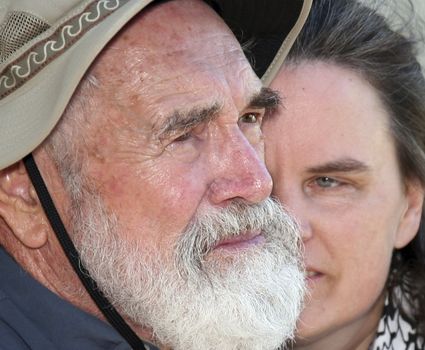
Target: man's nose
[(240, 173)]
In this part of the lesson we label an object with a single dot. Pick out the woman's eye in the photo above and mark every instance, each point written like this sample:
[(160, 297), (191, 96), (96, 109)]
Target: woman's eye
[(250, 118), (327, 182)]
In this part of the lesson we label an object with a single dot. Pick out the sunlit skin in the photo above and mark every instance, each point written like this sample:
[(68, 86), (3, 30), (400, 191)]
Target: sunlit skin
[(334, 166), (175, 131), (183, 132)]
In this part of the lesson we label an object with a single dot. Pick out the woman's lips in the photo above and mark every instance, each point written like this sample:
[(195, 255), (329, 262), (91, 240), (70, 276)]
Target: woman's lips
[(241, 241), (313, 275)]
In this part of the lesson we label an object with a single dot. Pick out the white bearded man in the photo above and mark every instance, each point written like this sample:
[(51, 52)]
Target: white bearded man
[(144, 129)]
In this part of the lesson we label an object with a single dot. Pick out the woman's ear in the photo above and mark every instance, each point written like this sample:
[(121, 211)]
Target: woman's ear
[(20, 207), (411, 219)]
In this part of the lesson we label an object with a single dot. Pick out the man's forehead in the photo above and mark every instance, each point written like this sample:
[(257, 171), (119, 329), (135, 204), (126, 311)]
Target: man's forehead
[(197, 61), (171, 38), (202, 46), (171, 24), (171, 32)]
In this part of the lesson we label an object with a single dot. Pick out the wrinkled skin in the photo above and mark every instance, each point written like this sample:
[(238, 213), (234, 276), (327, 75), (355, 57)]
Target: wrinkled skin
[(170, 177)]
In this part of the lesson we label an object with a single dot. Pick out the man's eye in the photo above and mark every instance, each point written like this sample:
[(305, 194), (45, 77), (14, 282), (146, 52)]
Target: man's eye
[(327, 182), (183, 137), (250, 118)]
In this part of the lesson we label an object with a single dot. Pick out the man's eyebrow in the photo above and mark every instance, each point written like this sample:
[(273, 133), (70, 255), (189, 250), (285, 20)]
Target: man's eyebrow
[(185, 120), (339, 166), (180, 120), (266, 98)]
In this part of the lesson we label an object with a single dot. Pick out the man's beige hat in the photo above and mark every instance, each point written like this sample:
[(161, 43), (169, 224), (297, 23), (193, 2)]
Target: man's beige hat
[(46, 46)]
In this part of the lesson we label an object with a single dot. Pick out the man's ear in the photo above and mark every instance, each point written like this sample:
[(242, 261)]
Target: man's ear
[(20, 207), (411, 219)]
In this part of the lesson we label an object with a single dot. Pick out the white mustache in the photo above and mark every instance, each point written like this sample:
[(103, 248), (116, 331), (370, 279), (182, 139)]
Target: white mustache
[(207, 229)]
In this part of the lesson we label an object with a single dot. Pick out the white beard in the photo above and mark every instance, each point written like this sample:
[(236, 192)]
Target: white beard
[(193, 297)]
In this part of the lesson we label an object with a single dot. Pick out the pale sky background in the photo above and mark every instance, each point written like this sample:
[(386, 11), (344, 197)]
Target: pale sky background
[(419, 6)]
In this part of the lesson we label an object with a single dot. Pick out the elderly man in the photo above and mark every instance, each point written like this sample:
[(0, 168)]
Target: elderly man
[(154, 169)]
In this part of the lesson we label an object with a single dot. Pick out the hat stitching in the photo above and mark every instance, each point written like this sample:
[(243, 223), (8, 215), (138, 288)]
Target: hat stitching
[(43, 52)]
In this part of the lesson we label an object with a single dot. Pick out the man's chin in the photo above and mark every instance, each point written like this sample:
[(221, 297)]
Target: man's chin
[(250, 300), (232, 253), (243, 298)]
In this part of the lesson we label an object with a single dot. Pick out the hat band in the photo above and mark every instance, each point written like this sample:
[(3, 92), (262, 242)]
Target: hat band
[(16, 73)]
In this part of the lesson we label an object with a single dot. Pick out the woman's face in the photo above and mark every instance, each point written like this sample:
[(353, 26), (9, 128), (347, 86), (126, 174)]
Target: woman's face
[(333, 161)]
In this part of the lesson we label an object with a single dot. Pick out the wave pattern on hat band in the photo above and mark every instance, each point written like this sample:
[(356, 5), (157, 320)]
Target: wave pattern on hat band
[(33, 60)]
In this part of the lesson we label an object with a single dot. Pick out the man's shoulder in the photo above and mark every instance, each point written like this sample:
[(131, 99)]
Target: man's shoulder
[(10, 340), (48, 330), (16, 331)]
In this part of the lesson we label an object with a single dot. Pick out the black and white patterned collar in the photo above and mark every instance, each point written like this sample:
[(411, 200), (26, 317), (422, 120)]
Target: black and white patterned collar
[(396, 332)]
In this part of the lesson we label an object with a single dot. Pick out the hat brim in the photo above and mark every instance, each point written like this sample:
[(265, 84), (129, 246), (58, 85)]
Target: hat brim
[(255, 22), (30, 113)]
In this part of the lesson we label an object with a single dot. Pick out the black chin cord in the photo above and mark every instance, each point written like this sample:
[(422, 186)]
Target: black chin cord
[(110, 313)]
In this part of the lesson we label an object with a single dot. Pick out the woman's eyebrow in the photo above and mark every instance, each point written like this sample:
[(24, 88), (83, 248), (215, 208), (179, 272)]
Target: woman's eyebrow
[(340, 165)]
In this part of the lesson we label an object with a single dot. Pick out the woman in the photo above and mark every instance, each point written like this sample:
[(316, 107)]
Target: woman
[(347, 153)]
